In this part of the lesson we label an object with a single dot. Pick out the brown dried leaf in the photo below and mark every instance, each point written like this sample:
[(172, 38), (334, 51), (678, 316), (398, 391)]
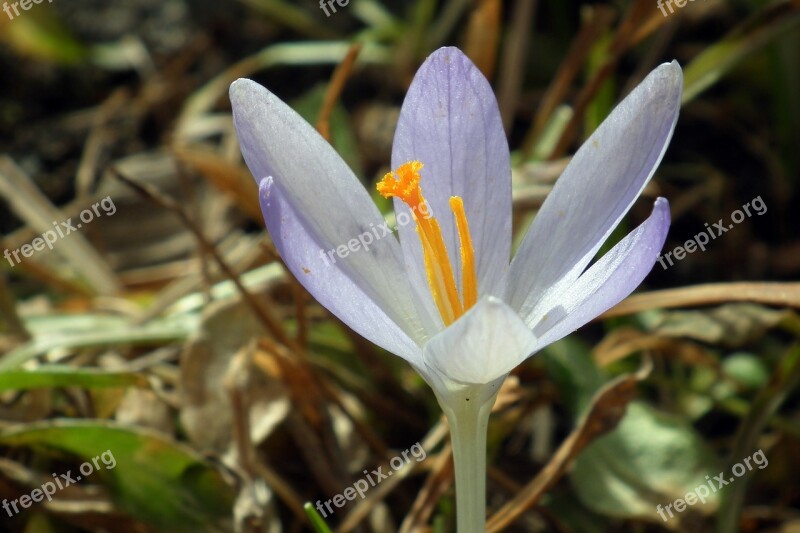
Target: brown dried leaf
[(778, 294), (605, 412)]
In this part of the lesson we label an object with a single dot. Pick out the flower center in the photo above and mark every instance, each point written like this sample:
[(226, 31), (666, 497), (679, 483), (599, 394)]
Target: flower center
[(403, 183)]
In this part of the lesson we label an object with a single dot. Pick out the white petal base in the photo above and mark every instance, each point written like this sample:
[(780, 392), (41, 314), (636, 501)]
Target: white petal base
[(484, 344)]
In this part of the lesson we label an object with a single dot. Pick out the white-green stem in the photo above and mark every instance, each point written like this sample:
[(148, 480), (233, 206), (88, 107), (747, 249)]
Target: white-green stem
[(467, 411)]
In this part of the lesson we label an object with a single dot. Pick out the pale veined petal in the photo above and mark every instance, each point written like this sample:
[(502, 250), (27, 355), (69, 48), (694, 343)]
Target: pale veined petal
[(595, 191), (606, 283), (450, 122), (333, 285), (320, 217), (483, 345)]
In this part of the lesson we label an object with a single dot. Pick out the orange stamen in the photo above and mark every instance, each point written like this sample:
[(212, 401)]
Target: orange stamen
[(404, 184), (469, 284)]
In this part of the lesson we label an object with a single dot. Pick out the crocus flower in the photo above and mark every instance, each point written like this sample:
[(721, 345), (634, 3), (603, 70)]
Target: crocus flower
[(446, 296)]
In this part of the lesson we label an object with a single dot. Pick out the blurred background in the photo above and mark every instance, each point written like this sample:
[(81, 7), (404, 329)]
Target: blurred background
[(146, 317)]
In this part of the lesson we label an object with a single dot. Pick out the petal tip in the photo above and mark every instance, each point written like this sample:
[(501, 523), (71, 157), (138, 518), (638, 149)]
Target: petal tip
[(448, 57), (674, 66), (662, 206), (662, 218), (671, 75), (243, 91), (447, 52)]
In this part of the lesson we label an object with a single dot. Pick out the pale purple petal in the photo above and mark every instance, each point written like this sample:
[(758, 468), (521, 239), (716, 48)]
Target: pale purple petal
[(484, 344), (313, 204), (607, 282), (332, 284), (450, 122), (595, 191)]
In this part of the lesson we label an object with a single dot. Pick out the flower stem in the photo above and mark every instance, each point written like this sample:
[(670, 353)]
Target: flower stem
[(467, 414)]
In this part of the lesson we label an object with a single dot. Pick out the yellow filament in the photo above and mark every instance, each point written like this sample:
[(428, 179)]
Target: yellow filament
[(404, 184), (440, 280), (469, 282)]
